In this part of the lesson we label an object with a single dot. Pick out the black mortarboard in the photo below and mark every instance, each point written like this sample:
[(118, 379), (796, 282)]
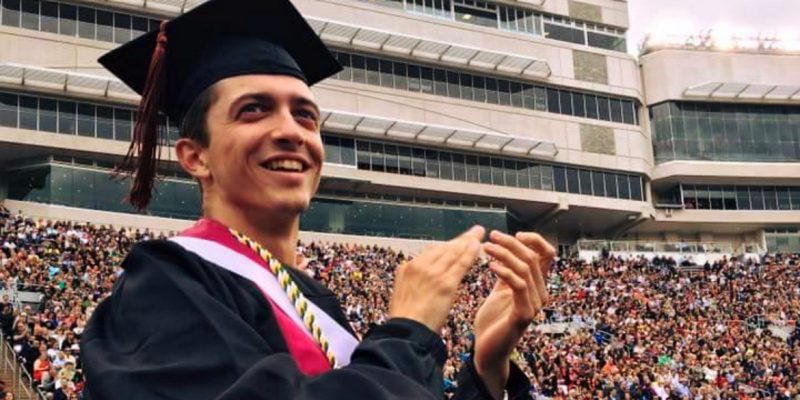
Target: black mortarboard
[(216, 40)]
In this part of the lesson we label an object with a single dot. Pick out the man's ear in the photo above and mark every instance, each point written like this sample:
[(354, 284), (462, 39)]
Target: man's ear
[(191, 156)]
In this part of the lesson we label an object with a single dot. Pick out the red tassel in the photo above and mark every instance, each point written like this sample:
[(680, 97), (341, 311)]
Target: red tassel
[(150, 128)]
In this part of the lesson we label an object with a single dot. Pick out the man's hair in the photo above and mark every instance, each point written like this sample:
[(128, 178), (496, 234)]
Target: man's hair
[(194, 124)]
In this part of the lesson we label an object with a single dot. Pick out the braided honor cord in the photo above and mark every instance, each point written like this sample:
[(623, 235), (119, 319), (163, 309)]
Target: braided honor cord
[(295, 295)]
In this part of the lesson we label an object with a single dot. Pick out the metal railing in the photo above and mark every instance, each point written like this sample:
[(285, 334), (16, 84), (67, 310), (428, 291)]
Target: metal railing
[(22, 383), (655, 247)]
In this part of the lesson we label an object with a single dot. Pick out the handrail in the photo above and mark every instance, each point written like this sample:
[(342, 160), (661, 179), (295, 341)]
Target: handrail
[(21, 379)]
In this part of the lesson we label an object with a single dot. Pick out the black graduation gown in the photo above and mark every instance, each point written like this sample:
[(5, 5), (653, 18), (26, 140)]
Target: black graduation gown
[(179, 327)]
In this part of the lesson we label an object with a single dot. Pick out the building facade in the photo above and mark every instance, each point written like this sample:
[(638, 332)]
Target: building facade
[(521, 114)]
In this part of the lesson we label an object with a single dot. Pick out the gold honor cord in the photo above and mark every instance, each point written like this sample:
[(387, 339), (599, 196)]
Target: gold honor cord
[(295, 295)]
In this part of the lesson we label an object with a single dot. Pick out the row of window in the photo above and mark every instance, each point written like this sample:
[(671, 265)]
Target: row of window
[(408, 160), (725, 132), (515, 19), (69, 117), (77, 21), (738, 197), (484, 89), (116, 123), (73, 186)]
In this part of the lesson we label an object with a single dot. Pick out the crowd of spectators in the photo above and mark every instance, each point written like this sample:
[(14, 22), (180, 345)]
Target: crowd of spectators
[(614, 329)]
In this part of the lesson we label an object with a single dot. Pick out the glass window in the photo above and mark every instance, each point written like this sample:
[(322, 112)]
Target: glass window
[(105, 26), (346, 73), (426, 80), (377, 157), (8, 109), (404, 160), (66, 117), (564, 33), (636, 188), (431, 164), (756, 198), (30, 14), (491, 91), (479, 88), (445, 166), (585, 182), (485, 170), (578, 106), (387, 73), (522, 175), (400, 76), (11, 12), (362, 154), (607, 42), (392, 159), (86, 22), (573, 184), (616, 110), (439, 82), (611, 185), (48, 116), (472, 170), (359, 69), (540, 94), (516, 94), (535, 175), (122, 124), (510, 172), (347, 147), (591, 107), (560, 179), (497, 172), (476, 12), (770, 198), (418, 161), (28, 113), (795, 193), (553, 103), (784, 198), (453, 85), (547, 177), (67, 19), (566, 102), (598, 184), (373, 71), (504, 92), (743, 198), (105, 122), (466, 87), (139, 26), (122, 28), (603, 108), (628, 112), (413, 78), (49, 17), (459, 170)]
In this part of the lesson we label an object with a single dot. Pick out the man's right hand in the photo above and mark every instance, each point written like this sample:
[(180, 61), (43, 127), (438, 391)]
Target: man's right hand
[(425, 287)]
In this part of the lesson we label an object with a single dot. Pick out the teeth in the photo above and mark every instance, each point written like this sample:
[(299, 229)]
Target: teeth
[(286, 165)]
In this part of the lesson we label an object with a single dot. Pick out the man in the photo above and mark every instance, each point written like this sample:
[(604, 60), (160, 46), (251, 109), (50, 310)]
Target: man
[(220, 312)]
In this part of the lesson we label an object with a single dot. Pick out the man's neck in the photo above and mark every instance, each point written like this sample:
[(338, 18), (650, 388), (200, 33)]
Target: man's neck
[(277, 232)]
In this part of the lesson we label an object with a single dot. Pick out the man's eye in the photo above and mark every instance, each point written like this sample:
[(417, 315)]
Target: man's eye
[(308, 117), (251, 109)]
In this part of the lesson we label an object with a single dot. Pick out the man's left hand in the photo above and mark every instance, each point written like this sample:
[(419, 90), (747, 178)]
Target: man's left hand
[(521, 264)]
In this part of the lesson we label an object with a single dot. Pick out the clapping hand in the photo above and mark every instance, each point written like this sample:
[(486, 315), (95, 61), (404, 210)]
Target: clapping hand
[(521, 263)]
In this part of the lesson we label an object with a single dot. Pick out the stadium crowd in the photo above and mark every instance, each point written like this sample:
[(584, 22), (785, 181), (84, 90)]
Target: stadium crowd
[(614, 329)]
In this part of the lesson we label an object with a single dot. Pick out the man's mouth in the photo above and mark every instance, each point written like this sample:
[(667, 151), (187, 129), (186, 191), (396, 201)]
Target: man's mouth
[(284, 165)]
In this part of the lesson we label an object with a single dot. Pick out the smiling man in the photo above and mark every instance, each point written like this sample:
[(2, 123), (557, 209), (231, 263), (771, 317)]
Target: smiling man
[(220, 312)]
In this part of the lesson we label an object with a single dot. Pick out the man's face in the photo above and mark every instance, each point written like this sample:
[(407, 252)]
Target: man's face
[(265, 150)]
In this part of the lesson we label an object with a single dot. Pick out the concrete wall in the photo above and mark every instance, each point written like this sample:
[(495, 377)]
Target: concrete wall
[(631, 147), (667, 73), (718, 172), (623, 75)]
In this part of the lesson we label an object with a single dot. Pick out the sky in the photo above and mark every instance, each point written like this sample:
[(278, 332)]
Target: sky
[(694, 15)]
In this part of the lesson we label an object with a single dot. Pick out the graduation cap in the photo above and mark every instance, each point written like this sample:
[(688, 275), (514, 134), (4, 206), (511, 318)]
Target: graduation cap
[(218, 39)]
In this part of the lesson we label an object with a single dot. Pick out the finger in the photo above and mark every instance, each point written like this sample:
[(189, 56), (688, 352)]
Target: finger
[(522, 300), (541, 246), (476, 232), (524, 253), (454, 252), (509, 260)]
